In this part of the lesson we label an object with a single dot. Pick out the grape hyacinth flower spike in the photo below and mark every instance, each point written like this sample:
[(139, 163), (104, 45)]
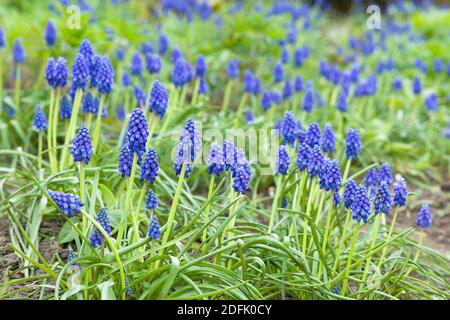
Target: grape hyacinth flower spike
[(105, 80), (97, 237), (154, 229), (50, 34), (328, 139), (68, 203), (81, 147), (424, 217)]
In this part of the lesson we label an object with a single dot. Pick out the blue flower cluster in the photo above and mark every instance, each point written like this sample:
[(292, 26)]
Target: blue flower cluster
[(154, 229), (282, 161), (159, 99), (40, 120), (97, 237), (150, 166), (81, 148), (68, 203)]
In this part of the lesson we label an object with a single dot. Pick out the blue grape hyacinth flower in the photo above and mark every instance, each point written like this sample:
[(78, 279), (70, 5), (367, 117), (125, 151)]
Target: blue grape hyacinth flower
[(424, 217), (331, 175), (313, 135), (304, 153), (40, 120), (349, 192), (241, 177), (50, 34), (360, 206), (400, 192), (163, 44), (266, 100), (278, 73), (150, 166), (431, 102), (382, 201), (200, 66), (89, 104), (154, 229), (289, 129), (2, 38), (417, 86), (137, 132), (81, 147), (316, 161), (372, 178), (80, 72), (125, 161), (159, 99), (136, 65), (68, 203), (18, 52), (139, 95), (97, 237), (87, 51), (189, 144), (385, 173), (65, 111), (328, 139), (298, 84), (353, 143), (216, 162), (233, 69), (151, 202), (282, 161), (126, 79), (153, 63), (308, 100), (105, 76)]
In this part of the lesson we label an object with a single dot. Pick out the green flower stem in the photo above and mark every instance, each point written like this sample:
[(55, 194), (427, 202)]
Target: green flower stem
[(208, 207), (183, 95), (173, 210), (112, 248), (54, 121), (128, 200), (372, 245), (173, 106), (326, 232), (308, 211), (152, 121), (319, 210), (347, 169), (391, 229), (240, 109), (416, 257), (39, 156), (49, 131), (138, 210), (226, 97), (297, 200), (350, 256), (127, 102), (233, 220), (98, 124), (341, 243), (239, 245), (82, 193), (17, 87), (71, 128), (275, 202), (89, 120), (195, 91)]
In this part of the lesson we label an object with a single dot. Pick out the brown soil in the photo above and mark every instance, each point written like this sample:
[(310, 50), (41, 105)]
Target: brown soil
[(438, 235)]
